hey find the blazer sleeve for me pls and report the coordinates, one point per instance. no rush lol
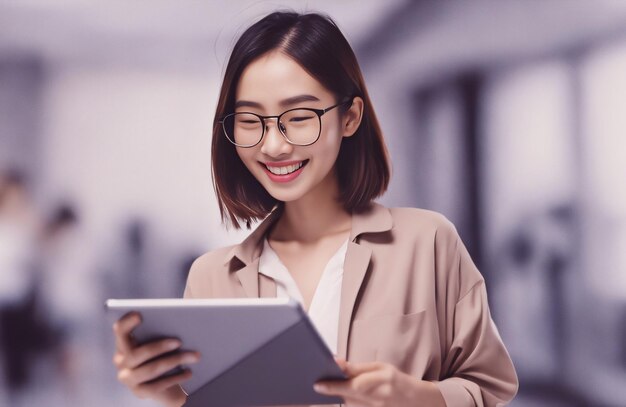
(197, 285)
(188, 293)
(476, 368)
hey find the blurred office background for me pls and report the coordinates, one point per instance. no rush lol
(507, 116)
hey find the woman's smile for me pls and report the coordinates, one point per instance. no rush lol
(284, 171)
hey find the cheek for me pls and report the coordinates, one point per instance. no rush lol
(245, 155)
(329, 143)
(248, 159)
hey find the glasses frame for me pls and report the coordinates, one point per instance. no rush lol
(318, 112)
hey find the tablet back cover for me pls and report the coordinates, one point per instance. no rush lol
(254, 351)
(281, 372)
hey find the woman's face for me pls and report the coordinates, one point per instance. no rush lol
(269, 86)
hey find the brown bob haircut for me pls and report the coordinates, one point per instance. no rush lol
(315, 42)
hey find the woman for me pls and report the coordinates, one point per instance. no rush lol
(393, 292)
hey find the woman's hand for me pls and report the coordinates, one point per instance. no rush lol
(139, 366)
(380, 385)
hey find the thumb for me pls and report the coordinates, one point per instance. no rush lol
(356, 369)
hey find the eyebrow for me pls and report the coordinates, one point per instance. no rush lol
(283, 103)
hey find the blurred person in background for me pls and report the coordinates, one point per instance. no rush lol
(47, 295)
(537, 256)
(20, 322)
(60, 289)
(70, 297)
(312, 173)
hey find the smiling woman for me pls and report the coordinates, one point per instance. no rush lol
(392, 292)
(274, 69)
(295, 157)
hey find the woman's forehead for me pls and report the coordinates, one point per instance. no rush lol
(274, 78)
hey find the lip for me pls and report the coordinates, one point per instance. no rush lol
(286, 177)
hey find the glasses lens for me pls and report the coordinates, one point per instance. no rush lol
(300, 126)
(243, 129)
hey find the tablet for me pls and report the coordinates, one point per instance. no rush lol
(260, 351)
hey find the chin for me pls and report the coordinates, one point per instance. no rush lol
(284, 196)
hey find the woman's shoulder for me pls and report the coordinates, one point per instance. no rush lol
(208, 272)
(436, 236)
(419, 216)
(212, 260)
(422, 222)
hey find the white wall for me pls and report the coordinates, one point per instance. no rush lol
(126, 142)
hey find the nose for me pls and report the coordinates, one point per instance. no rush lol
(274, 144)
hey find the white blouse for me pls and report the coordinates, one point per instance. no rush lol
(324, 308)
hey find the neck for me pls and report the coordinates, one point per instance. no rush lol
(314, 216)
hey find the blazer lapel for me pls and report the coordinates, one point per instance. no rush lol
(244, 260)
(354, 269)
(248, 276)
(255, 284)
(376, 220)
(267, 286)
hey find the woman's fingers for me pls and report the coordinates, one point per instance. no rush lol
(140, 367)
(153, 369)
(122, 329)
(368, 382)
(149, 389)
(141, 354)
(352, 369)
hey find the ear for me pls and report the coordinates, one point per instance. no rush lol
(351, 119)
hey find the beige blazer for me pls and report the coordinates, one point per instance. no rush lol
(411, 296)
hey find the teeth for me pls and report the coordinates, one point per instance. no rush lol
(288, 169)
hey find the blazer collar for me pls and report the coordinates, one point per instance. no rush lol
(250, 249)
(244, 260)
(375, 219)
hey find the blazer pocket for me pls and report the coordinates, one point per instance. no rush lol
(396, 339)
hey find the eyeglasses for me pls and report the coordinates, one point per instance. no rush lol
(300, 126)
